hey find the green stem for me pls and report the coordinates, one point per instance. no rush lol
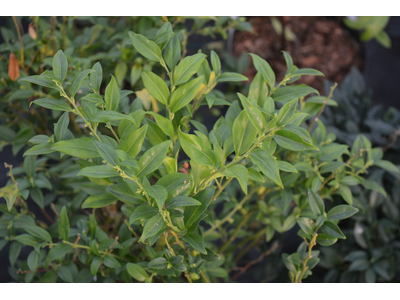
(305, 267)
(229, 216)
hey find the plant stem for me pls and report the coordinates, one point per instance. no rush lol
(322, 108)
(229, 216)
(20, 41)
(310, 246)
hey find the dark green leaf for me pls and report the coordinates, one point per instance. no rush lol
(77, 82)
(184, 94)
(153, 158)
(63, 224)
(97, 201)
(136, 272)
(81, 147)
(60, 65)
(196, 241)
(268, 165)
(148, 49)
(53, 104)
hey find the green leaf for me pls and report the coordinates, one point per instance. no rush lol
(108, 116)
(341, 212)
(254, 114)
(196, 241)
(97, 201)
(63, 224)
(181, 201)
(65, 274)
(53, 104)
(331, 166)
(192, 213)
(80, 147)
(158, 193)
(196, 149)
(158, 263)
(244, 133)
(176, 184)
(94, 266)
(37, 196)
(286, 167)
(152, 227)
(41, 80)
(132, 143)
(143, 211)
(156, 86)
(60, 128)
(96, 77)
(321, 100)
(287, 93)
(316, 203)
(58, 252)
(331, 151)
(373, 185)
(148, 49)
(107, 153)
(30, 166)
(137, 272)
(38, 232)
(15, 250)
(289, 61)
(345, 192)
(265, 69)
(172, 52)
(231, 77)
(268, 165)
(187, 68)
(33, 260)
(102, 171)
(164, 124)
(307, 71)
(60, 65)
(77, 82)
(184, 94)
(240, 173)
(332, 230)
(123, 192)
(290, 140)
(26, 239)
(153, 158)
(215, 62)
(387, 165)
(111, 262)
(307, 225)
(258, 89)
(112, 95)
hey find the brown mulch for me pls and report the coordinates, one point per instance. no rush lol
(321, 43)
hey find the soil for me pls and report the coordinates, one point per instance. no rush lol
(321, 43)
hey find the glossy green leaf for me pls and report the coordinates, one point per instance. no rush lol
(58, 252)
(290, 140)
(184, 94)
(254, 114)
(268, 165)
(192, 213)
(143, 211)
(307, 225)
(107, 153)
(231, 77)
(136, 272)
(316, 203)
(102, 171)
(156, 86)
(215, 62)
(77, 82)
(196, 241)
(196, 149)
(172, 52)
(332, 230)
(53, 104)
(153, 158)
(164, 124)
(97, 201)
(182, 201)
(240, 173)
(187, 68)
(80, 147)
(341, 212)
(244, 133)
(264, 68)
(133, 142)
(96, 77)
(63, 224)
(38, 232)
(112, 95)
(111, 262)
(286, 167)
(158, 193)
(148, 49)
(287, 93)
(158, 263)
(258, 89)
(152, 227)
(60, 65)
(33, 260)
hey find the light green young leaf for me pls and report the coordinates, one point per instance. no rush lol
(265, 69)
(156, 86)
(184, 94)
(112, 95)
(240, 173)
(148, 49)
(187, 68)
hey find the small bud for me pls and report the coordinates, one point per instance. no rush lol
(164, 19)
